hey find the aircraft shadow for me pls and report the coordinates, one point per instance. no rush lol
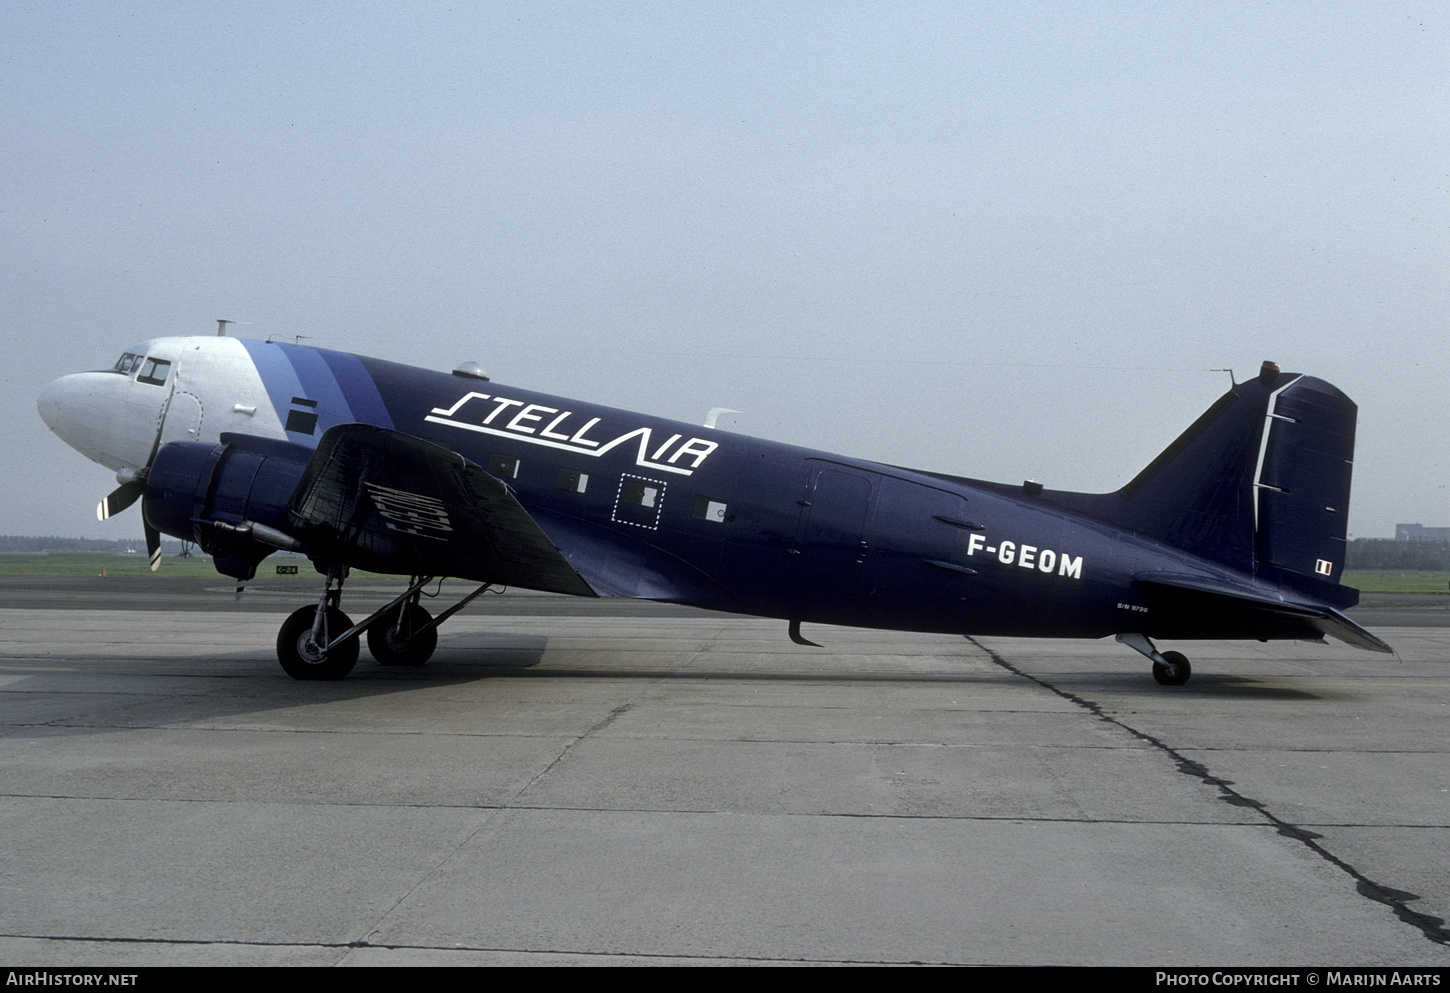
(258, 685)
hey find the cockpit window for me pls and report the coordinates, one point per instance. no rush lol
(154, 371)
(127, 363)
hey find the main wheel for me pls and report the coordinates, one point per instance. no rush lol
(302, 659)
(1176, 672)
(392, 640)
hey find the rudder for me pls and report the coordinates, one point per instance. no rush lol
(1303, 479)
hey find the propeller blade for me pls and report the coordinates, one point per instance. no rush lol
(153, 546)
(120, 498)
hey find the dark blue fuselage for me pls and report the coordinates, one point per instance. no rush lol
(676, 512)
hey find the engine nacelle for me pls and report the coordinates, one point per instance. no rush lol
(230, 498)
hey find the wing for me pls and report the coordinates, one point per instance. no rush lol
(388, 502)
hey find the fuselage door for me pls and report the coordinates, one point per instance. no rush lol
(833, 558)
(181, 411)
(182, 418)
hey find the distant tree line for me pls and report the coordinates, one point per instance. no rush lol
(10, 543)
(1386, 553)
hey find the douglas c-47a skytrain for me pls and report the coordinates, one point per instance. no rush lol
(1236, 531)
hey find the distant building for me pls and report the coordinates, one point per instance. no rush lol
(1418, 532)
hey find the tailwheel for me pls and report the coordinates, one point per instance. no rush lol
(402, 638)
(303, 658)
(1174, 670)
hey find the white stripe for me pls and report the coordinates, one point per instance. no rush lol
(1269, 416)
(531, 440)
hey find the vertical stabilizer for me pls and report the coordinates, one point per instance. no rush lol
(1259, 483)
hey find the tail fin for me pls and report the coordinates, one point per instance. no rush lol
(1259, 483)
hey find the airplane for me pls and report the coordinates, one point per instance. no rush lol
(1236, 531)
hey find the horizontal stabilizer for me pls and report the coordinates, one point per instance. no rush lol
(1336, 624)
(1322, 618)
(1267, 599)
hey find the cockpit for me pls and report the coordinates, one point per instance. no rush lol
(148, 369)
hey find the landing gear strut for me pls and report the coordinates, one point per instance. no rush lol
(322, 642)
(1169, 668)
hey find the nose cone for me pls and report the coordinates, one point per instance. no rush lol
(101, 415)
(66, 405)
(50, 402)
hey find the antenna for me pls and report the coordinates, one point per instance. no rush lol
(221, 326)
(714, 415)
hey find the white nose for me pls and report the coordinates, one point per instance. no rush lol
(51, 403)
(104, 416)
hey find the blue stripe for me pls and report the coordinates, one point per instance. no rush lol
(341, 387)
(362, 393)
(277, 375)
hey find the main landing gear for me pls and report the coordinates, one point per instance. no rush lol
(321, 642)
(1169, 668)
(304, 649)
(403, 636)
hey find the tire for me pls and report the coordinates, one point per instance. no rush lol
(301, 659)
(389, 649)
(1177, 671)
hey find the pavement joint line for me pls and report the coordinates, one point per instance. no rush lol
(494, 808)
(363, 944)
(703, 812)
(121, 940)
(734, 739)
(492, 813)
(1433, 928)
(602, 723)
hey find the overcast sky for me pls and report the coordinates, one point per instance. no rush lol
(1002, 240)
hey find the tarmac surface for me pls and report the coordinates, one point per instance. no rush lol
(618, 782)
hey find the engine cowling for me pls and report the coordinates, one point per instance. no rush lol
(230, 498)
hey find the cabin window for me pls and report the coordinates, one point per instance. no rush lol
(639, 501)
(710, 510)
(503, 466)
(637, 491)
(571, 480)
(154, 371)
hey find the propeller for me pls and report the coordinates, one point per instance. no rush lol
(132, 488)
(153, 544)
